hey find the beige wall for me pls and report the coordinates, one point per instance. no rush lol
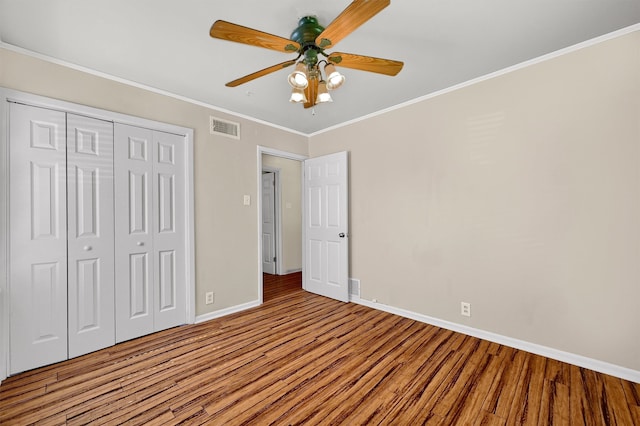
(225, 169)
(520, 195)
(290, 210)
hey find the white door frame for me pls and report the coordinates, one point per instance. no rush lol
(277, 215)
(41, 101)
(276, 153)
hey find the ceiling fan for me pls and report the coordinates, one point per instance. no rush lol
(309, 41)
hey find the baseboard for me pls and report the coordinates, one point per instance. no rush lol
(579, 360)
(226, 311)
(291, 271)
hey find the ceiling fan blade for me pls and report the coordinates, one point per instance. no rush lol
(366, 63)
(356, 14)
(311, 92)
(260, 73)
(227, 31)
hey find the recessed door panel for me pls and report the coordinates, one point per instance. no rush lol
(46, 284)
(166, 203)
(166, 153)
(88, 288)
(37, 238)
(87, 141)
(138, 203)
(44, 134)
(314, 249)
(87, 193)
(167, 279)
(138, 147)
(139, 285)
(315, 208)
(333, 207)
(334, 273)
(46, 211)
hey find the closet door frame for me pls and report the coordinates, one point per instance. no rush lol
(9, 95)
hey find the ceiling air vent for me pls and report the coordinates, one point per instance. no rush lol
(218, 126)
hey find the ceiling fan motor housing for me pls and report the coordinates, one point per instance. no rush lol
(305, 34)
(307, 31)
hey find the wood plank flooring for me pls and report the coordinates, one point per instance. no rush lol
(305, 359)
(274, 286)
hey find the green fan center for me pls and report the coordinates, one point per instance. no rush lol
(307, 32)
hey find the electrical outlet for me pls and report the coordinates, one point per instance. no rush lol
(208, 298)
(465, 309)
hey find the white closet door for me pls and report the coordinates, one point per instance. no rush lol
(134, 241)
(150, 231)
(168, 231)
(38, 234)
(90, 234)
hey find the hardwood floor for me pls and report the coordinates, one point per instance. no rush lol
(305, 359)
(274, 286)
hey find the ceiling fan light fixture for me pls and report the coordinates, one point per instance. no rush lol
(323, 93)
(334, 78)
(298, 96)
(309, 41)
(299, 78)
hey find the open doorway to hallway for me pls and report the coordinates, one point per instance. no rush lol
(281, 226)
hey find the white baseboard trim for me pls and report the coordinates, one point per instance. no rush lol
(291, 271)
(579, 360)
(226, 311)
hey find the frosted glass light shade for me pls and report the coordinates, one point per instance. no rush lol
(334, 78)
(298, 96)
(298, 79)
(323, 93)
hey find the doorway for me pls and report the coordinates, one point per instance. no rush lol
(271, 218)
(287, 169)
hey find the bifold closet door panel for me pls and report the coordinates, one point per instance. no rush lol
(90, 234)
(169, 235)
(38, 237)
(151, 284)
(133, 152)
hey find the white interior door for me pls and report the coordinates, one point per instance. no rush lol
(38, 237)
(134, 240)
(169, 256)
(268, 223)
(151, 280)
(90, 234)
(326, 226)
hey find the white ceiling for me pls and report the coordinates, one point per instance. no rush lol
(165, 44)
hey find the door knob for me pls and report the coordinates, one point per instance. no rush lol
(86, 248)
(140, 243)
(341, 235)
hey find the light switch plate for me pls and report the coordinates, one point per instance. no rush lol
(247, 200)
